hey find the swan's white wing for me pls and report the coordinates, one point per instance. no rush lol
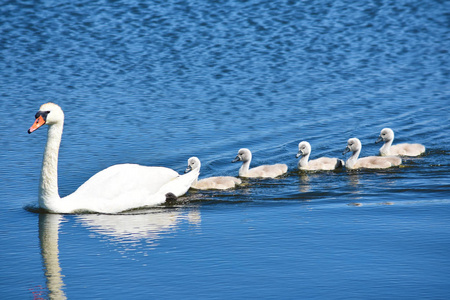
(120, 179)
(118, 188)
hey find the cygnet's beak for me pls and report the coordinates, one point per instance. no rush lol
(379, 139)
(347, 149)
(299, 154)
(188, 169)
(237, 158)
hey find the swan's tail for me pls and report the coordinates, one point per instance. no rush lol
(181, 184)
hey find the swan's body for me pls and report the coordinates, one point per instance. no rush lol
(322, 163)
(115, 189)
(211, 183)
(369, 162)
(264, 171)
(387, 135)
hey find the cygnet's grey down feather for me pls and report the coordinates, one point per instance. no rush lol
(405, 149)
(322, 163)
(369, 162)
(264, 171)
(211, 183)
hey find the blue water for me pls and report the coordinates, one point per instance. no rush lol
(157, 82)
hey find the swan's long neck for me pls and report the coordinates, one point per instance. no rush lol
(303, 162)
(352, 160)
(244, 168)
(386, 148)
(48, 184)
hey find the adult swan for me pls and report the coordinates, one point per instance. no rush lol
(115, 189)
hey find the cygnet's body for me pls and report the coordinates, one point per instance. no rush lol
(211, 183)
(264, 171)
(369, 162)
(322, 163)
(405, 149)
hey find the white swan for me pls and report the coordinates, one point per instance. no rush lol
(211, 183)
(115, 189)
(387, 135)
(264, 171)
(369, 162)
(322, 163)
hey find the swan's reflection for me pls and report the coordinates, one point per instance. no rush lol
(149, 225)
(48, 237)
(143, 228)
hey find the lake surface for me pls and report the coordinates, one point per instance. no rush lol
(156, 82)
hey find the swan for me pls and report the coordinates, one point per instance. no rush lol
(264, 171)
(369, 162)
(387, 135)
(211, 183)
(322, 163)
(115, 189)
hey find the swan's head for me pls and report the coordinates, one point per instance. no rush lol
(193, 163)
(304, 148)
(353, 145)
(386, 135)
(243, 155)
(49, 113)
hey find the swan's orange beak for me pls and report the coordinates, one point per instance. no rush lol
(38, 123)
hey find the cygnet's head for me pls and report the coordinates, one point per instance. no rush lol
(304, 148)
(386, 135)
(49, 113)
(243, 155)
(353, 145)
(193, 163)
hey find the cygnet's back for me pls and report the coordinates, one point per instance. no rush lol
(264, 171)
(405, 149)
(217, 183)
(321, 163)
(211, 183)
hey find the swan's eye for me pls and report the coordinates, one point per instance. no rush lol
(42, 114)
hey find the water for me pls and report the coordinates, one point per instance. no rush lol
(157, 82)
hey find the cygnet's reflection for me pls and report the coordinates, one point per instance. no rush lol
(355, 189)
(143, 228)
(354, 178)
(304, 185)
